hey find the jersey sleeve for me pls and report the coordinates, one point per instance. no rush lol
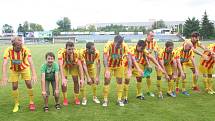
(107, 48)
(56, 67)
(160, 54)
(59, 54)
(81, 55)
(43, 68)
(97, 58)
(27, 52)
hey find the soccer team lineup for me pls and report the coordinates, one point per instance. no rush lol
(120, 62)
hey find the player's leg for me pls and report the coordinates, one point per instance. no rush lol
(106, 89)
(76, 89)
(45, 97)
(119, 91)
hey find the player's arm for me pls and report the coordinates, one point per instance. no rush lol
(134, 62)
(175, 73)
(34, 75)
(98, 70)
(43, 83)
(57, 82)
(4, 72)
(86, 70)
(80, 67)
(161, 63)
(61, 68)
(105, 60)
(149, 56)
(194, 64)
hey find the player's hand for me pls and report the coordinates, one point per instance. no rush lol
(107, 74)
(34, 79)
(57, 92)
(97, 80)
(205, 57)
(129, 73)
(167, 77)
(183, 76)
(43, 93)
(64, 81)
(89, 81)
(4, 81)
(161, 69)
(174, 76)
(81, 83)
(196, 75)
(141, 72)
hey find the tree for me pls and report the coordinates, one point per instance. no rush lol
(26, 26)
(64, 24)
(190, 26)
(20, 28)
(158, 24)
(35, 27)
(7, 28)
(207, 27)
(91, 28)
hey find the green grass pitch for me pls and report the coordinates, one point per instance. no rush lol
(197, 107)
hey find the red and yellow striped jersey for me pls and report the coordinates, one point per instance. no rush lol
(210, 62)
(68, 60)
(167, 57)
(18, 60)
(195, 45)
(88, 58)
(151, 46)
(183, 56)
(140, 57)
(115, 55)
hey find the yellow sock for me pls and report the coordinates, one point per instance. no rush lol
(64, 95)
(94, 89)
(119, 91)
(76, 95)
(149, 84)
(15, 94)
(205, 81)
(210, 84)
(194, 81)
(83, 92)
(177, 82)
(31, 96)
(169, 87)
(183, 85)
(171, 84)
(159, 85)
(139, 89)
(126, 91)
(106, 91)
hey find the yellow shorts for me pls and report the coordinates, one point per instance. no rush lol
(188, 64)
(74, 71)
(134, 71)
(169, 69)
(92, 72)
(14, 75)
(204, 70)
(117, 72)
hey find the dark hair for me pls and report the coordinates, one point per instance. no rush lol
(118, 38)
(150, 32)
(69, 44)
(141, 43)
(195, 34)
(89, 44)
(169, 43)
(51, 54)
